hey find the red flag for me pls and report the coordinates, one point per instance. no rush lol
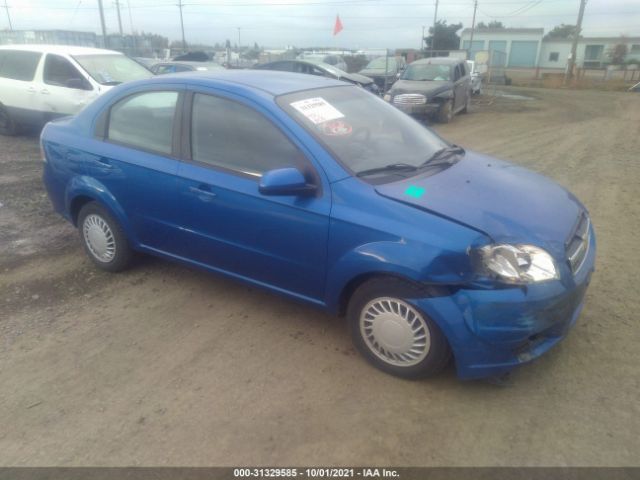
(337, 28)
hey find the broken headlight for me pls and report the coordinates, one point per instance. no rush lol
(516, 263)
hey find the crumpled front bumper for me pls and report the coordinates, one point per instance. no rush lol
(493, 331)
(423, 109)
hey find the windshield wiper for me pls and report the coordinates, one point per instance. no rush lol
(393, 167)
(447, 153)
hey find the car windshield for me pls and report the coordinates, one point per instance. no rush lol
(363, 131)
(112, 69)
(427, 72)
(380, 62)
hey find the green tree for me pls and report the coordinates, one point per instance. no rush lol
(444, 37)
(563, 32)
(618, 52)
(492, 25)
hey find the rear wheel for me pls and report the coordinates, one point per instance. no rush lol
(393, 334)
(7, 125)
(103, 238)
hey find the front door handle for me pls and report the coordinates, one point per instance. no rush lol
(104, 162)
(31, 89)
(44, 91)
(203, 190)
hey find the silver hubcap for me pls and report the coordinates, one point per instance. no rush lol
(395, 331)
(99, 238)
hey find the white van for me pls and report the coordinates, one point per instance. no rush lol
(42, 82)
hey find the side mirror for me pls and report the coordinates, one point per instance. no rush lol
(78, 84)
(285, 181)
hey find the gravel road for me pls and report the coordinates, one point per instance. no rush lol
(165, 365)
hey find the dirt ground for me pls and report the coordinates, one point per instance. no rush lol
(164, 365)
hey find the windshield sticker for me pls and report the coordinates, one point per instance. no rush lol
(337, 128)
(413, 191)
(317, 110)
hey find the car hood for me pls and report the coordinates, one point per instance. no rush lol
(356, 77)
(506, 202)
(427, 88)
(369, 72)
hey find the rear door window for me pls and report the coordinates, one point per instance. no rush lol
(19, 65)
(144, 121)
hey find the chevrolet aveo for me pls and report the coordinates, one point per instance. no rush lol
(318, 190)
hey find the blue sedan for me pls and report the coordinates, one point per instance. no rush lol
(317, 190)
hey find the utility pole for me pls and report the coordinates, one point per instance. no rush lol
(119, 18)
(433, 35)
(6, 7)
(574, 46)
(422, 39)
(184, 42)
(105, 41)
(473, 27)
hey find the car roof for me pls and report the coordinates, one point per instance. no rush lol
(438, 61)
(60, 49)
(269, 81)
(189, 63)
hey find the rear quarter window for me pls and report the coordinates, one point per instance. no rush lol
(19, 65)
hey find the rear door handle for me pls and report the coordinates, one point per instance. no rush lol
(31, 89)
(44, 91)
(202, 190)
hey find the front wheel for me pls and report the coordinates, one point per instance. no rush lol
(393, 334)
(445, 114)
(103, 238)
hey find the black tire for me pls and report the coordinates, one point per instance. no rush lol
(438, 353)
(466, 105)
(445, 113)
(8, 126)
(122, 254)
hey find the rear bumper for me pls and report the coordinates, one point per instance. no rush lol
(491, 332)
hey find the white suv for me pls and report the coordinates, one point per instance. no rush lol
(42, 82)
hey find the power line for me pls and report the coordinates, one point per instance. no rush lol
(6, 7)
(574, 44)
(119, 17)
(184, 42)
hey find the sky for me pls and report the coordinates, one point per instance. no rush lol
(305, 23)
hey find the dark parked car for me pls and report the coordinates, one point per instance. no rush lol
(177, 67)
(434, 87)
(384, 71)
(321, 69)
(284, 181)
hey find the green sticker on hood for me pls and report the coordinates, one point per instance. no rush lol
(415, 192)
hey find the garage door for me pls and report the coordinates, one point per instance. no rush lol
(523, 54)
(498, 49)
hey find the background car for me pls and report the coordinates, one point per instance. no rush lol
(433, 87)
(321, 69)
(476, 78)
(162, 68)
(384, 71)
(42, 82)
(283, 181)
(330, 59)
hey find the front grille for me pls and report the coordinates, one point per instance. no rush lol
(409, 99)
(577, 246)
